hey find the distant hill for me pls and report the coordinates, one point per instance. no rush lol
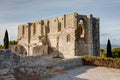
(103, 46)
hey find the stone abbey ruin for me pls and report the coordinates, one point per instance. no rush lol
(50, 46)
(64, 36)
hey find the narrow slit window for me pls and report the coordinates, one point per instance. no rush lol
(48, 27)
(23, 30)
(68, 38)
(34, 29)
(59, 26)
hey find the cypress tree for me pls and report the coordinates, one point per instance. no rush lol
(109, 52)
(6, 40)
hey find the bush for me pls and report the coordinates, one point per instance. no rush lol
(101, 61)
(12, 42)
(1, 47)
(116, 52)
(102, 53)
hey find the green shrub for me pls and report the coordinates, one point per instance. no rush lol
(12, 42)
(102, 53)
(1, 47)
(116, 52)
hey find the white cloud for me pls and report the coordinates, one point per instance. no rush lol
(15, 12)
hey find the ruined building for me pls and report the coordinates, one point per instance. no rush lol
(65, 36)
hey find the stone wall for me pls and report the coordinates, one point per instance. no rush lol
(56, 29)
(69, 35)
(87, 35)
(47, 61)
(15, 67)
(8, 59)
(96, 34)
(18, 49)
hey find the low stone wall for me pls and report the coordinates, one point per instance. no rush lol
(31, 68)
(49, 61)
(8, 59)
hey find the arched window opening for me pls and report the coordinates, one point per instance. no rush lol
(25, 53)
(59, 26)
(68, 38)
(81, 28)
(81, 21)
(16, 49)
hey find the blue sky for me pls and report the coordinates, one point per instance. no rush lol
(15, 12)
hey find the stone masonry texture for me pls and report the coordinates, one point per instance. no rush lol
(65, 36)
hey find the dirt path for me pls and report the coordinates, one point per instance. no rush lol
(89, 73)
